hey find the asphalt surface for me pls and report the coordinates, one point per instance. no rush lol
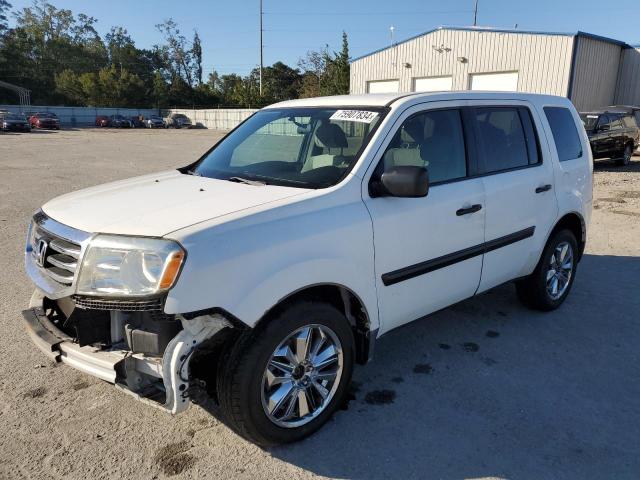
(485, 388)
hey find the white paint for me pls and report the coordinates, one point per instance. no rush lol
(433, 84)
(383, 86)
(496, 82)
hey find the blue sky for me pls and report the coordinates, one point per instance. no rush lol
(229, 29)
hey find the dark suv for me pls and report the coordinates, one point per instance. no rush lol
(612, 134)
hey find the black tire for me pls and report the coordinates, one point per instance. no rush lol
(625, 158)
(244, 362)
(532, 290)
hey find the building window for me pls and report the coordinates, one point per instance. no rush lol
(502, 81)
(383, 86)
(432, 84)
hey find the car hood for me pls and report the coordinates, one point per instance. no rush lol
(157, 204)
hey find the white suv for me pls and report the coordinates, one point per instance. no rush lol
(262, 272)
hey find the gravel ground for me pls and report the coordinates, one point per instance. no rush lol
(482, 389)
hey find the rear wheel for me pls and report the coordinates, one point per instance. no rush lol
(281, 382)
(625, 158)
(550, 283)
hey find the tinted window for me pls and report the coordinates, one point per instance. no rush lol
(565, 134)
(628, 121)
(616, 122)
(432, 139)
(501, 138)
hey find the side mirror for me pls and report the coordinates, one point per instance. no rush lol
(604, 128)
(405, 181)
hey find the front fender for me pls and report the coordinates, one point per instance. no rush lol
(248, 265)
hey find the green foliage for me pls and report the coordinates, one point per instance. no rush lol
(5, 7)
(62, 59)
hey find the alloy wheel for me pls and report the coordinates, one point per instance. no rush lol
(559, 271)
(302, 376)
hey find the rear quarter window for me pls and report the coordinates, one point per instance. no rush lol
(565, 133)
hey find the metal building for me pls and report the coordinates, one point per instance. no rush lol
(590, 70)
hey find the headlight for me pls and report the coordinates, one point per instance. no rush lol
(128, 266)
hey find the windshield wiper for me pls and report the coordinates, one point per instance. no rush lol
(255, 183)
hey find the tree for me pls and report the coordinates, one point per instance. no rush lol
(280, 82)
(160, 91)
(196, 55)
(5, 7)
(177, 53)
(325, 73)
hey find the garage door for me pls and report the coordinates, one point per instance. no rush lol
(504, 82)
(432, 84)
(383, 86)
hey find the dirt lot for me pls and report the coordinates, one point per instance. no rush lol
(482, 389)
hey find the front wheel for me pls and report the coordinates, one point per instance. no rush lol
(625, 159)
(550, 283)
(282, 381)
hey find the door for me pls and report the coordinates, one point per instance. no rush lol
(519, 188)
(428, 251)
(383, 86)
(618, 135)
(504, 81)
(602, 140)
(432, 84)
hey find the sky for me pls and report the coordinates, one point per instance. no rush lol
(230, 29)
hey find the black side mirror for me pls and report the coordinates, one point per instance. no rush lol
(404, 181)
(604, 128)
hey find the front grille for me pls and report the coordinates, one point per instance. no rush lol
(146, 305)
(54, 255)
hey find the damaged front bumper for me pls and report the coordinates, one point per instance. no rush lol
(162, 381)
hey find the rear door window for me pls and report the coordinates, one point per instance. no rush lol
(565, 133)
(502, 139)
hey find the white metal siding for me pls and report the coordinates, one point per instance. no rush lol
(595, 74)
(543, 61)
(628, 89)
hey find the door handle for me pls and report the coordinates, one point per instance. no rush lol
(467, 210)
(544, 188)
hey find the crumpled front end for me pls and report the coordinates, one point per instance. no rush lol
(131, 343)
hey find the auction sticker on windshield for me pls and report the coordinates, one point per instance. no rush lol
(354, 116)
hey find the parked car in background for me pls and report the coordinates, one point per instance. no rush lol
(15, 122)
(612, 134)
(154, 121)
(44, 120)
(633, 110)
(253, 274)
(137, 121)
(120, 121)
(178, 120)
(102, 121)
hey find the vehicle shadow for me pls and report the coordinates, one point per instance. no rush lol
(489, 388)
(608, 165)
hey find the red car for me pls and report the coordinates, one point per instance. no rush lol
(102, 121)
(44, 120)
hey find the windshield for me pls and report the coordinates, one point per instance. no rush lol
(297, 147)
(589, 120)
(15, 116)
